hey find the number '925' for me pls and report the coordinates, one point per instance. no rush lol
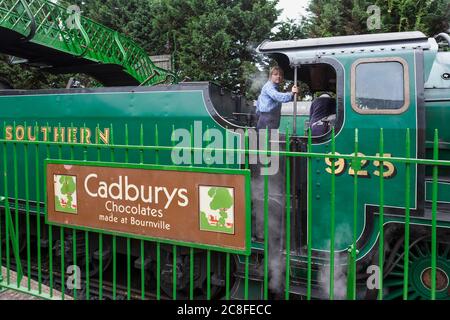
(341, 166)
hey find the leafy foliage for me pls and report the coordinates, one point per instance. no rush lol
(290, 29)
(346, 17)
(212, 40)
(26, 77)
(215, 40)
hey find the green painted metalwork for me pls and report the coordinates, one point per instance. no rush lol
(288, 219)
(228, 257)
(158, 245)
(86, 243)
(16, 194)
(332, 214)
(128, 268)
(11, 234)
(27, 214)
(50, 238)
(310, 222)
(247, 258)
(158, 271)
(419, 263)
(7, 226)
(100, 266)
(434, 217)
(74, 235)
(142, 270)
(2, 199)
(286, 124)
(407, 216)
(266, 219)
(142, 149)
(114, 238)
(356, 166)
(191, 273)
(208, 274)
(62, 270)
(52, 25)
(74, 259)
(351, 273)
(141, 155)
(127, 159)
(381, 221)
(227, 275)
(443, 191)
(174, 272)
(100, 241)
(114, 253)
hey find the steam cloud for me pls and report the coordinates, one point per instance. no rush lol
(276, 212)
(343, 239)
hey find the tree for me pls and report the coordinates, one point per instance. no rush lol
(222, 201)
(290, 29)
(212, 40)
(215, 40)
(26, 77)
(132, 18)
(346, 17)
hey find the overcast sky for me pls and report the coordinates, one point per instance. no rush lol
(292, 9)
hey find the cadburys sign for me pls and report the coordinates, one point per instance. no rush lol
(193, 206)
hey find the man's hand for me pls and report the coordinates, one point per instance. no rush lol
(295, 89)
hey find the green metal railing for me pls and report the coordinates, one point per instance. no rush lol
(53, 25)
(31, 260)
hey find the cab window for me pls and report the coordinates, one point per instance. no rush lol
(379, 86)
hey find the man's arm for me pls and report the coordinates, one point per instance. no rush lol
(279, 96)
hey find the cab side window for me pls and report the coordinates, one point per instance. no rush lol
(380, 86)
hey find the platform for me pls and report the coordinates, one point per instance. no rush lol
(23, 292)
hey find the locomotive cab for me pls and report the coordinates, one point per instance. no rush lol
(383, 107)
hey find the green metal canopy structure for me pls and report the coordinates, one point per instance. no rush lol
(59, 39)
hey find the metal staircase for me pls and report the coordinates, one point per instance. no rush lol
(52, 36)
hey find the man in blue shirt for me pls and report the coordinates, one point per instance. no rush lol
(270, 100)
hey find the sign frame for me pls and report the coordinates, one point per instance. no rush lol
(247, 199)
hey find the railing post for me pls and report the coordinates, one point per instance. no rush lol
(351, 273)
(2, 199)
(12, 236)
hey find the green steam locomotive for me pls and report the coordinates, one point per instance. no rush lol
(399, 82)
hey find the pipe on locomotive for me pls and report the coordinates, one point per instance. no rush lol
(444, 36)
(294, 125)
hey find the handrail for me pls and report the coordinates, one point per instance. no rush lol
(93, 41)
(32, 23)
(155, 73)
(119, 44)
(83, 33)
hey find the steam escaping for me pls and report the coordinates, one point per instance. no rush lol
(256, 81)
(343, 238)
(340, 280)
(255, 75)
(276, 213)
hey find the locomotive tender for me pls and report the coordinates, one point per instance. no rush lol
(394, 81)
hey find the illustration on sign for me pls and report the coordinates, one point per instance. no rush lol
(216, 209)
(65, 193)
